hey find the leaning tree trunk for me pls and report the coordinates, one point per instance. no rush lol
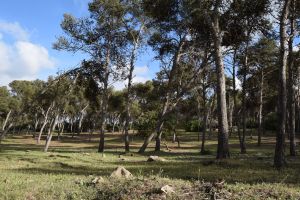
(279, 157)
(6, 120)
(158, 129)
(50, 133)
(162, 115)
(82, 113)
(291, 91)
(260, 105)
(223, 148)
(45, 122)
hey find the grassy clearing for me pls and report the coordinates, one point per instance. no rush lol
(67, 170)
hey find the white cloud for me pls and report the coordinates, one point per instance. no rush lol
(20, 59)
(15, 30)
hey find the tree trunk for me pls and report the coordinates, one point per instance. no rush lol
(163, 113)
(244, 110)
(82, 113)
(50, 133)
(44, 123)
(223, 148)
(205, 119)
(260, 128)
(4, 132)
(291, 91)
(234, 86)
(6, 120)
(279, 157)
(230, 116)
(104, 103)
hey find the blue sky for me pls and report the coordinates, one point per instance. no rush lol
(27, 31)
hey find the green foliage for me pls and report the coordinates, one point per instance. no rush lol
(271, 121)
(193, 126)
(145, 124)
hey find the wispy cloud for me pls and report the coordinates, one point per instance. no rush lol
(14, 29)
(20, 58)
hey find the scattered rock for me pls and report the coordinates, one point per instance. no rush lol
(121, 172)
(97, 180)
(123, 159)
(155, 159)
(167, 189)
(86, 154)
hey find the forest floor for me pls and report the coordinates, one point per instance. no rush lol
(72, 169)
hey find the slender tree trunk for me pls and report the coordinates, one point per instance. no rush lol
(35, 127)
(128, 97)
(223, 148)
(50, 133)
(279, 158)
(45, 122)
(6, 120)
(82, 113)
(159, 134)
(4, 129)
(161, 118)
(260, 117)
(104, 104)
(211, 110)
(230, 116)
(244, 110)
(205, 119)
(291, 91)
(3, 133)
(234, 86)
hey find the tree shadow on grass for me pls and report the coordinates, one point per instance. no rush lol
(231, 172)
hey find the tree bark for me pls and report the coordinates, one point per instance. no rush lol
(50, 133)
(291, 91)
(6, 120)
(82, 113)
(223, 148)
(104, 103)
(260, 106)
(234, 85)
(205, 119)
(279, 157)
(45, 122)
(244, 111)
(164, 111)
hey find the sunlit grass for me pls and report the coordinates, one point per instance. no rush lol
(26, 172)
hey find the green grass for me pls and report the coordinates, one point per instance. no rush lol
(67, 170)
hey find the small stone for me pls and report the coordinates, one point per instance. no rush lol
(97, 180)
(155, 159)
(167, 189)
(121, 172)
